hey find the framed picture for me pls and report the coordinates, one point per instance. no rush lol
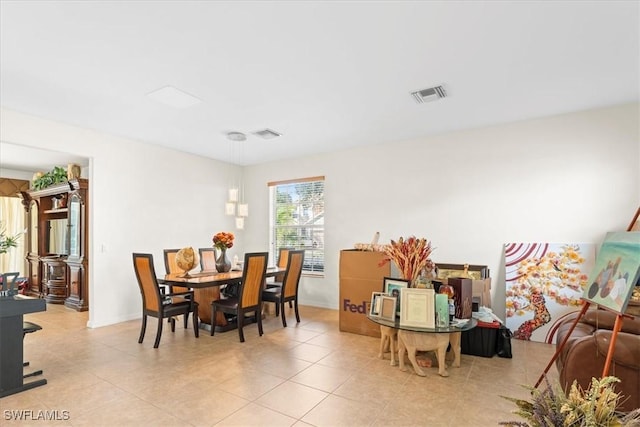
(392, 288)
(418, 308)
(475, 272)
(383, 306)
(376, 304)
(616, 271)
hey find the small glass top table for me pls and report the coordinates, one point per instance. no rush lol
(413, 339)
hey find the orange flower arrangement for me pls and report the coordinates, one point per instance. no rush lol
(223, 240)
(410, 255)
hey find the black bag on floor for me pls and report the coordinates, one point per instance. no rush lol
(503, 342)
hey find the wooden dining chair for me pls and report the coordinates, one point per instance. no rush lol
(206, 295)
(249, 297)
(289, 290)
(159, 304)
(207, 259)
(171, 267)
(283, 258)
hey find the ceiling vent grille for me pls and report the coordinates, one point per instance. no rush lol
(429, 94)
(267, 134)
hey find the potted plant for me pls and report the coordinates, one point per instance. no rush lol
(596, 407)
(57, 175)
(7, 242)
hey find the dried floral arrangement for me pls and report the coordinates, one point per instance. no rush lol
(595, 407)
(410, 255)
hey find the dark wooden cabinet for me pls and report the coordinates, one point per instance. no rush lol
(58, 238)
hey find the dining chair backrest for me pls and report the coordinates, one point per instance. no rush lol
(253, 275)
(9, 281)
(283, 258)
(170, 263)
(207, 258)
(146, 275)
(294, 271)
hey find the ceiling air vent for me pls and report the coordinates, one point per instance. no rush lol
(429, 94)
(267, 134)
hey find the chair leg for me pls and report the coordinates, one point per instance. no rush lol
(159, 333)
(186, 320)
(277, 304)
(295, 304)
(173, 324)
(283, 315)
(213, 319)
(240, 324)
(33, 374)
(290, 305)
(143, 328)
(259, 317)
(196, 326)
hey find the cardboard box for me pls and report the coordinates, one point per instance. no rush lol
(463, 293)
(360, 275)
(482, 290)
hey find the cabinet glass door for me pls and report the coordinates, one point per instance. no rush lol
(33, 227)
(74, 225)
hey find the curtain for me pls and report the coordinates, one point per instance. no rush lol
(12, 221)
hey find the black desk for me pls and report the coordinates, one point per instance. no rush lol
(12, 310)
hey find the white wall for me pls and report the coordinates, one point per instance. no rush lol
(568, 178)
(143, 198)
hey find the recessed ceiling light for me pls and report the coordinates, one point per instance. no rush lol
(173, 97)
(267, 133)
(236, 136)
(429, 94)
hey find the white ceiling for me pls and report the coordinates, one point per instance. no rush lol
(327, 75)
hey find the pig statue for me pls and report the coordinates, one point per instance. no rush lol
(411, 342)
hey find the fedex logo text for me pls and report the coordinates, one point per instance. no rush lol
(355, 308)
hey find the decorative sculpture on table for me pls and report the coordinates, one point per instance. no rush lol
(186, 260)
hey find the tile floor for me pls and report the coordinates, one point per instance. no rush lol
(309, 374)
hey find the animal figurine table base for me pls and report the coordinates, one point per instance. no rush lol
(412, 342)
(388, 340)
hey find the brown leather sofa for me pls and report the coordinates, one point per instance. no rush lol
(584, 354)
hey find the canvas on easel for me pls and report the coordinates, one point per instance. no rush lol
(616, 271)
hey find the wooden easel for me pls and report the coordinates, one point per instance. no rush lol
(617, 326)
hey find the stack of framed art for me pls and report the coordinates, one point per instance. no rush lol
(414, 307)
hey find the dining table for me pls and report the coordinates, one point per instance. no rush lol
(206, 286)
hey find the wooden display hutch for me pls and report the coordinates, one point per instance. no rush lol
(57, 236)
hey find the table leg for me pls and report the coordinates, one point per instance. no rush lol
(454, 340)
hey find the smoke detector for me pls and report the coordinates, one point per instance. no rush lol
(267, 134)
(236, 136)
(429, 94)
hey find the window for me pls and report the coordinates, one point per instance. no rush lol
(297, 219)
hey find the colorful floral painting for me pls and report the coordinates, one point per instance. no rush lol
(544, 283)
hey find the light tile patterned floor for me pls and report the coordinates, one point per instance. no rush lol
(309, 374)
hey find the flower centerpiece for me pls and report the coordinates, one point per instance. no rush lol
(410, 255)
(223, 241)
